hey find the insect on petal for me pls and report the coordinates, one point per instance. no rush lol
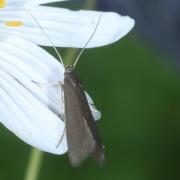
(33, 111)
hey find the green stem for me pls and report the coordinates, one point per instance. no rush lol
(90, 4)
(34, 164)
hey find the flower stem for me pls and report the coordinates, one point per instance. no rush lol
(33, 167)
(90, 4)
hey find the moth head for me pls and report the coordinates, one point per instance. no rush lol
(69, 69)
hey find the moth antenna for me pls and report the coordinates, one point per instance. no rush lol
(95, 29)
(46, 36)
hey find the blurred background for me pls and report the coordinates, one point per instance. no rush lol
(136, 85)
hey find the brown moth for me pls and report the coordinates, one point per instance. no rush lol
(81, 132)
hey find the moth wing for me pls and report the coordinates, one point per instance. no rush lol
(81, 130)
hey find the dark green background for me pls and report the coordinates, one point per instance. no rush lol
(138, 94)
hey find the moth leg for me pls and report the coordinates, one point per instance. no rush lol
(61, 95)
(64, 131)
(47, 84)
(62, 101)
(52, 84)
(62, 114)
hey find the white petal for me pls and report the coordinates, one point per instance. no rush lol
(38, 2)
(28, 118)
(67, 28)
(18, 3)
(26, 62)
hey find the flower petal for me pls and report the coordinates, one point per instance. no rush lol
(66, 28)
(38, 2)
(28, 118)
(18, 3)
(26, 62)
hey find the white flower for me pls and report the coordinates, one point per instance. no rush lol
(31, 112)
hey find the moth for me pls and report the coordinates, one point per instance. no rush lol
(81, 132)
(80, 127)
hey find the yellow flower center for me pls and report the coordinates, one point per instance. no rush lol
(2, 3)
